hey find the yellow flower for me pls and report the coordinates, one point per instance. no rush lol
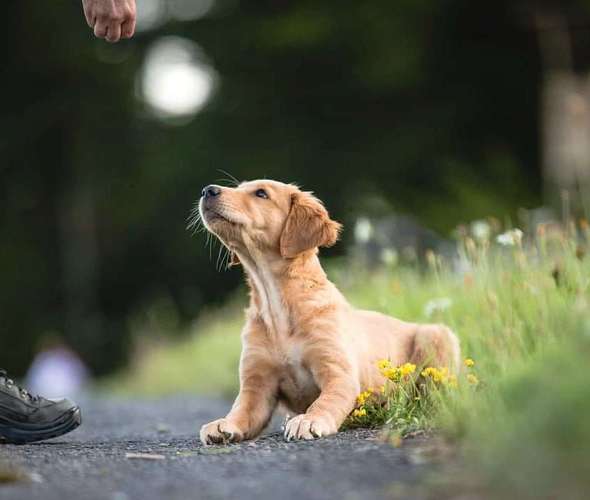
(359, 413)
(390, 373)
(362, 398)
(472, 379)
(469, 362)
(383, 364)
(407, 369)
(436, 374)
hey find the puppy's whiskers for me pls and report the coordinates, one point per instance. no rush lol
(230, 178)
(194, 220)
(224, 259)
(210, 243)
(219, 260)
(226, 182)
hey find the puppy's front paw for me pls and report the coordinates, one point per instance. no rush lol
(309, 427)
(220, 431)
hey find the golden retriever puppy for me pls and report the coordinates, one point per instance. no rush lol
(303, 346)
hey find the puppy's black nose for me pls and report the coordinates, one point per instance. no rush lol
(210, 191)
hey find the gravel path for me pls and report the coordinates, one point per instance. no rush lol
(104, 459)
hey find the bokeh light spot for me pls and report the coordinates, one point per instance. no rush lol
(189, 10)
(176, 81)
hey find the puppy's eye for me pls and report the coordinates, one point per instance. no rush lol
(261, 193)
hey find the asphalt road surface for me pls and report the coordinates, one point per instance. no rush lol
(128, 450)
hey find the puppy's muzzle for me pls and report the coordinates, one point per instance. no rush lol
(210, 197)
(212, 204)
(210, 191)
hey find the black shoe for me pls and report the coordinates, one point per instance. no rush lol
(25, 418)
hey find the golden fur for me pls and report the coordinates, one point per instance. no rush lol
(303, 346)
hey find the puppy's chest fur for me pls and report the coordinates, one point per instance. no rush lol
(297, 386)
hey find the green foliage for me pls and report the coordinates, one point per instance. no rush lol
(522, 313)
(403, 406)
(206, 361)
(542, 437)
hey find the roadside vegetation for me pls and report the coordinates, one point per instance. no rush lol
(518, 410)
(204, 362)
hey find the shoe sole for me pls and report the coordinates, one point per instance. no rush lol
(18, 433)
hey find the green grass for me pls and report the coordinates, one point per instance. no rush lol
(206, 362)
(522, 313)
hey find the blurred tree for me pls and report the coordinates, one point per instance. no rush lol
(430, 106)
(565, 101)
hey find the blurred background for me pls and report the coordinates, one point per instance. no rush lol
(407, 118)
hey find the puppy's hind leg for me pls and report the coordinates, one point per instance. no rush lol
(438, 346)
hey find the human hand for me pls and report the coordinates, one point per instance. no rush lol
(110, 19)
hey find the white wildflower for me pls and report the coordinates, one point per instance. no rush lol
(389, 257)
(481, 230)
(363, 230)
(510, 238)
(437, 305)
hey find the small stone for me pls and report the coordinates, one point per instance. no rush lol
(144, 456)
(162, 429)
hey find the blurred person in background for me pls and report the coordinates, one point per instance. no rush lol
(24, 417)
(56, 370)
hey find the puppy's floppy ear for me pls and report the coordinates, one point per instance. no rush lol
(308, 226)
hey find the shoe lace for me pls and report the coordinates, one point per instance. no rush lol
(24, 394)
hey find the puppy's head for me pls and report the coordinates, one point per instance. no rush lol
(264, 216)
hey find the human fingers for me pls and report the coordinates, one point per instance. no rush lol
(114, 32)
(100, 28)
(128, 28)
